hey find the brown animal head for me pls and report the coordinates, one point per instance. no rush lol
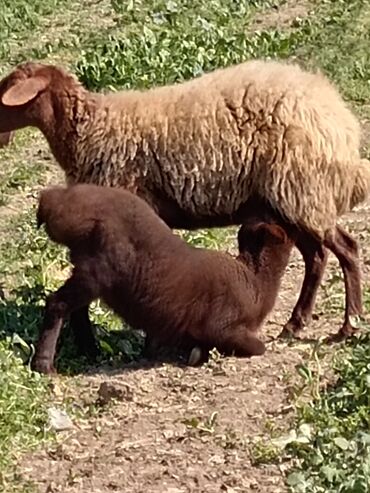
(28, 96)
(65, 223)
(253, 237)
(263, 243)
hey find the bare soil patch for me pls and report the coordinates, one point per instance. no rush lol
(282, 16)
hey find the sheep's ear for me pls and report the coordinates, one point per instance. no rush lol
(24, 91)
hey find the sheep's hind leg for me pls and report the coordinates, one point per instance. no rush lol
(345, 248)
(83, 333)
(315, 257)
(74, 294)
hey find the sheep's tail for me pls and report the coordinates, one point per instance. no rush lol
(361, 186)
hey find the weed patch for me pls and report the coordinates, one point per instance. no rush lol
(23, 396)
(335, 457)
(167, 42)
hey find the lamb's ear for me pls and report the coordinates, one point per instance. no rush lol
(23, 91)
(274, 233)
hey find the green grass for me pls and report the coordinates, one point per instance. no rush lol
(143, 43)
(336, 456)
(19, 18)
(341, 48)
(329, 445)
(167, 42)
(23, 397)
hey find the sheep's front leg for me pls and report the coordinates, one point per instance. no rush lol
(315, 257)
(345, 248)
(74, 294)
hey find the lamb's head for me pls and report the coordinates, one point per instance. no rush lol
(30, 95)
(68, 220)
(264, 242)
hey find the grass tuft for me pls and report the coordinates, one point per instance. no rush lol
(23, 395)
(336, 457)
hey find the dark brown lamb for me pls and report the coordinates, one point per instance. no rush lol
(124, 254)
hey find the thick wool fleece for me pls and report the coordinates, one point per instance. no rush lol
(210, 143)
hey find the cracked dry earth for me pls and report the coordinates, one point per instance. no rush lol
(143, 441)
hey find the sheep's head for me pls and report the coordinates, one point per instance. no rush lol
(27, 96)
(68, 221)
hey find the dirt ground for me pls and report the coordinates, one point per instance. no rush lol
(282, 15)
(174, 429)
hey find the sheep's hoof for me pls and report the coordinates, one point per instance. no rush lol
(291, 330)
(340, 336)
(287, 334)
(195, 356)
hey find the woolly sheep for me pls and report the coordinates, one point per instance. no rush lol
(199, 150)
(123, 253)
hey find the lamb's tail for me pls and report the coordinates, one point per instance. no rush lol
(361, 187)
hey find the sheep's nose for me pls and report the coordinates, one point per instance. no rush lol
(5, 138)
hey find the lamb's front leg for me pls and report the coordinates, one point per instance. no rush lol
(74, 294)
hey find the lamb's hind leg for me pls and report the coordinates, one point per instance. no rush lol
(74, 294)
(345, 248)
(83, 333)
(241, 343)
(315, 257)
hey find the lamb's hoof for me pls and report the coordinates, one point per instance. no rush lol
(43, 366)
(195, 357)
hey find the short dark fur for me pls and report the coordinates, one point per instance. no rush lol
(126, 255)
